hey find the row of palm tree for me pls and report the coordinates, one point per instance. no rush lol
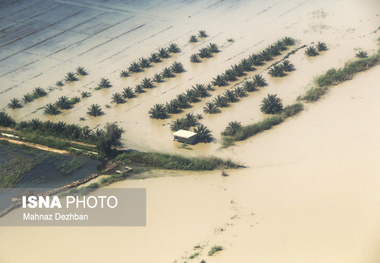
(72, 76)
(63, 103)
(312, 51)
(142, 63)
(60, 129)
(279, 69)
(233, 95)
(29, 97)
(201, 34)
(182, 101)
(205, 52)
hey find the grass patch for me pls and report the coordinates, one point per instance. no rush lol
(176, 162)
(68, 167)
(313, 94)
(194, 255)
(228, 141)
(292, 110)
(115, 178)
(215, 249)
(247, 131)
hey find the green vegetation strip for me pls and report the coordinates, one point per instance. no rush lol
(177, 162)
(235, 132)
(335, 76)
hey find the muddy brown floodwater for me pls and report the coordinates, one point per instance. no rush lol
(310, 192)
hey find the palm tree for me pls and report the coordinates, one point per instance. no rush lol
(220, 101)
(81, 71)
(246, 65)
(287, 66)
(128, 93)
(59, 83)
(259, 81)
(15, 104)
(27, 98)
(219, 81)
(240, 92)
(163, 53)
(117, 98)
(104, 83)
(167, 73)
(201, 90)
(210, 108)
(85, 94)
(63, 103)
(157, 78)
(147, 83)
(177, 67)
(35, 124)
(265, 55)
(194, 58)
(6, 120)
(173, 48)
(255, 60)
(238, 70)
(276, 71)
(210, 87)
(202, 33)
(321, 46)
(158, 111)
(51, 109)
(193, 39)
(204, 53)
(177, 125)
(124, 73)
(249, 86)
(288, 41)
(154, 58)
(271, 104)
(361, 54)
(183, 101)
(134, 67)
(204, 134)
(232, 128)
(70, 76)
(280, 45)
(139, 89)
(172, 107)
(230, 96)
(311, 51)
(144, 63)
(192, 96)
(190, 119)
(230, 75)
(213, 48)
(273, 50)
(38, 92)
(95, 110)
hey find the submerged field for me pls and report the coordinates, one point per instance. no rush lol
(310, 191)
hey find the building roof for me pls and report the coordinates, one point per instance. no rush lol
(184, 134)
